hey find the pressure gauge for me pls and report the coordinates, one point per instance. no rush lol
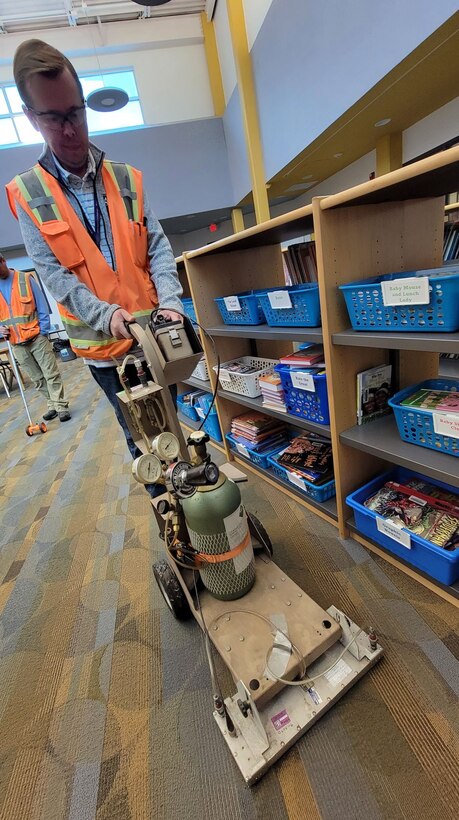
(147, 469)
(166, 446)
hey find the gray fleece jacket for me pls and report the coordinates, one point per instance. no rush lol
(65, 286)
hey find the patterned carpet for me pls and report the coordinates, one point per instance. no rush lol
(105, 701)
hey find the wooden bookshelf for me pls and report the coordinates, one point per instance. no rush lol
(394, 222)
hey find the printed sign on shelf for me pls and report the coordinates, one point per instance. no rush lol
(232, 303)
(295, 479)
(392, 531)
(414, 290)
(279, 299)
(303, 381)
(446, 424)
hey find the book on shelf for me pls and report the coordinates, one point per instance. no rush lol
(310, 456)
(312, 355)
(301, 264)
(272, 393)
(446, 401)
(374, 389)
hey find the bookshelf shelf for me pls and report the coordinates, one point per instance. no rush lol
(294, 334)
(198, 383)
(394, 222)
(433, 342)
(380, 438)
(256, 404)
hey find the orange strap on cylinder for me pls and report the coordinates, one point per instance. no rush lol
(225, 556)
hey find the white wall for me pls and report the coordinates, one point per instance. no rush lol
(255, 12)
(439, 127)
(167, 55)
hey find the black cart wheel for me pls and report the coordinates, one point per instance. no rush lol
(258, 531)
(171, 590)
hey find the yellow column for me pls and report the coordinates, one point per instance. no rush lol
(237, 218)
(213, 65)
(389, 153)
(246, 86)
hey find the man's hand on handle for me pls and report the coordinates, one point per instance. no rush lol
(4, 331)
(118, 323)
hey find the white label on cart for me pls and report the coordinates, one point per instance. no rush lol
(237, 532)
(338, 673)
(392, 531)
(243, 450)
(295, 479)
(303, 381)
(446, 424)
(411, 291)
(232, 303)
(314, 695)
(279, 299)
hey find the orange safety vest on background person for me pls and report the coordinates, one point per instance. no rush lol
(130, 286)
(22, 319)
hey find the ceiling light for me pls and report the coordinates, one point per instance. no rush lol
(107, 99)
(338, 155)
(385, 121)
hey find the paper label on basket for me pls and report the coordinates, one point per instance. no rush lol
(392, 531)
(279, 299)
(243, 450)
(295, 479)
(445, 424)
(411, 291)
(232, 303)
(303, 381)
(200, 412)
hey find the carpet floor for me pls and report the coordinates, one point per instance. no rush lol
(105, 699)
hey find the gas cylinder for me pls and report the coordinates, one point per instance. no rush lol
(217, 524)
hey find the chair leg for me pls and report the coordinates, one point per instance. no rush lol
(5, 385)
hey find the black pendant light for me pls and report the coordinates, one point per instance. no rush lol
(151, 2)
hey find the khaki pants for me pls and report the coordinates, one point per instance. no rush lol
(39, 362)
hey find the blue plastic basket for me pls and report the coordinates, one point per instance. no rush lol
(322, 493)
(305, 404)
(305, 309)
(188, 309)
(261, 459)
(250, 312)
(364, 302)
(434, 561)
(187, 410)
(416, 425)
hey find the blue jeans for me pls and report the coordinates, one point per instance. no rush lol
(108, 380)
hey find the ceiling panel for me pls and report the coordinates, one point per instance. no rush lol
(30, 15)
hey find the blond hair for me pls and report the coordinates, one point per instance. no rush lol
(37, 57)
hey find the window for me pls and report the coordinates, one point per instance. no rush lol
(15, 128)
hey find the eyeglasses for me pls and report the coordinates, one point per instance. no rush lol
(56, 121)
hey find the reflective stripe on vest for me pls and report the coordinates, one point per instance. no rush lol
(121, 174)
(39, 198)
(83, 336)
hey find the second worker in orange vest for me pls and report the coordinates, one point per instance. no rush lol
(87, 225)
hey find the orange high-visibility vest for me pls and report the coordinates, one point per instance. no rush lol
(22, 319)
(130, 285)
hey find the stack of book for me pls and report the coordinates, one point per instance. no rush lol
(308, 356)
(300, 264)
(272, 392)
(309, 456)
(442, 401)
(258, 432)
